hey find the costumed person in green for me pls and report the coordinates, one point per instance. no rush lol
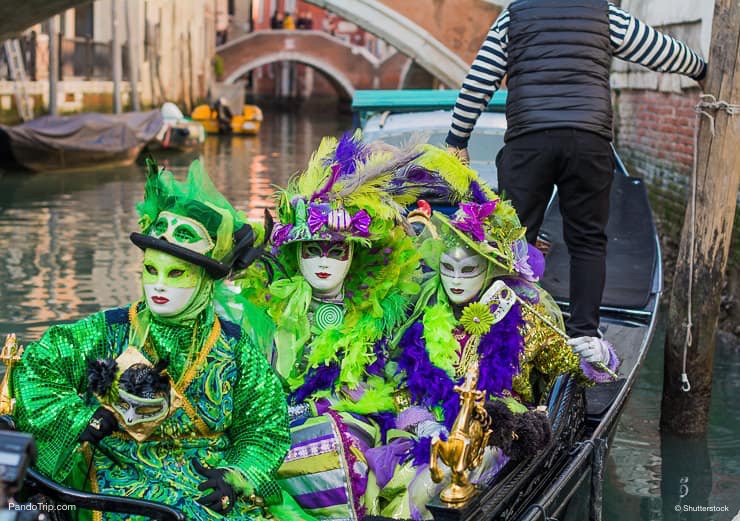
(481, 305)
(352, 276)
(162, 399)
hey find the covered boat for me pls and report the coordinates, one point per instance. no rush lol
(80, 141)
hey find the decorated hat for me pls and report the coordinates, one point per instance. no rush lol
(191, 220)
(350, 191)
(484, 222)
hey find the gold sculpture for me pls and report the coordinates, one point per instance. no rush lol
(9, 355)
(463, 449)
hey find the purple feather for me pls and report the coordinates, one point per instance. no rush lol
(349, 151)
(499, 352)
(318, 378)
(378, 366)
(477, 194)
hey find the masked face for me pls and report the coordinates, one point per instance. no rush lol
(135, 409)
(169, 282)
(324, 265)
(463, 274)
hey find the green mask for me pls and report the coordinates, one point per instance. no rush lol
(173, 287)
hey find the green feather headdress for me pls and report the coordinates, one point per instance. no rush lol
(193, 221)
(350, 191)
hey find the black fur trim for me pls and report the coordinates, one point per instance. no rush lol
(519, 435)
(101, 374)
(533, 434)
(145, 381)
(502, 423)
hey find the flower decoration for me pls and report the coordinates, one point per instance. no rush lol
(472, 218)
(477, 318)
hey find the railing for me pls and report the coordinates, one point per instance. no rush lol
(79, 57)
(87, 59)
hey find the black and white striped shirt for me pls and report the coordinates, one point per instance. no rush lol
(631, 40)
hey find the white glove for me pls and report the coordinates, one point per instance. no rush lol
(460, 153)
(592, 349)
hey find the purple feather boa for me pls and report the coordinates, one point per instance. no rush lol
(318, 378)
(499, 352)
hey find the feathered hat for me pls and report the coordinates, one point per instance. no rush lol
(194, 222)
(351, 191)
(483, 221)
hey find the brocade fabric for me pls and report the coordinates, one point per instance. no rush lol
(234, 413)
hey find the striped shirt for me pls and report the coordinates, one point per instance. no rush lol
(631, 40)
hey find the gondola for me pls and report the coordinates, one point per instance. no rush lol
(564, 480)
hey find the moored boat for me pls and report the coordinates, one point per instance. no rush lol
(178, 132)
(219, 119)
(89, 140)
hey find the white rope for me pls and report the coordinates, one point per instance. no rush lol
(706, 102)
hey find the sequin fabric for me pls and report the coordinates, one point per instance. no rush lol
(234, 414)
(546, 355)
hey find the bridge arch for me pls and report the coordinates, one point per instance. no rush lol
(335, 75)
(346, 66)
(403, 34)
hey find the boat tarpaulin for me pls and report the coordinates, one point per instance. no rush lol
(79, 141)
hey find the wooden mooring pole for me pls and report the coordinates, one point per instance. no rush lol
(695, 295)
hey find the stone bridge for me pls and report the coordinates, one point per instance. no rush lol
(347, 67)
(440, 36)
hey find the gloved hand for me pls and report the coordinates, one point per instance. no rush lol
(460, 153)
(223, 497)
(102, 424)
(592, 349)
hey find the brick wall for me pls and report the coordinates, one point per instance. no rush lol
(654, 134)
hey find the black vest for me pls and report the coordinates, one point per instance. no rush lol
(558, 66)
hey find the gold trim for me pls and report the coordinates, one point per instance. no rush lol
(189, 374)
(92, 477)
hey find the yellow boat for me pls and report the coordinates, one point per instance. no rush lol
(246, 123)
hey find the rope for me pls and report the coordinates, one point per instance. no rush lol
(706, 102)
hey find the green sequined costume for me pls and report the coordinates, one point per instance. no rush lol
(228, 376)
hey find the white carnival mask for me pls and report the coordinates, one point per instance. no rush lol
(169, 282)
(136, 409)
(324, 265)
(463, 273)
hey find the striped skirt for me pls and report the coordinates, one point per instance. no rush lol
(325, 470)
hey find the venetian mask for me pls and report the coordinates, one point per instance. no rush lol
(169, 282)
(463, 273)
(136, 409)
(324, 265)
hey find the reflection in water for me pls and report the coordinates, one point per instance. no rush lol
(65, 237)
(658, 477)
(65, 247)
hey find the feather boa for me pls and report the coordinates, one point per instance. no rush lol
(379, 291)
(430, 385)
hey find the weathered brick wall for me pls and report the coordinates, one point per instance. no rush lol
(654, 134)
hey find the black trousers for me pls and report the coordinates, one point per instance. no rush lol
(581, 165)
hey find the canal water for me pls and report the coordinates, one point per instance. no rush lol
(65, 253)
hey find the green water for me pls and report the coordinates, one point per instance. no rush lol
(65, 253)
